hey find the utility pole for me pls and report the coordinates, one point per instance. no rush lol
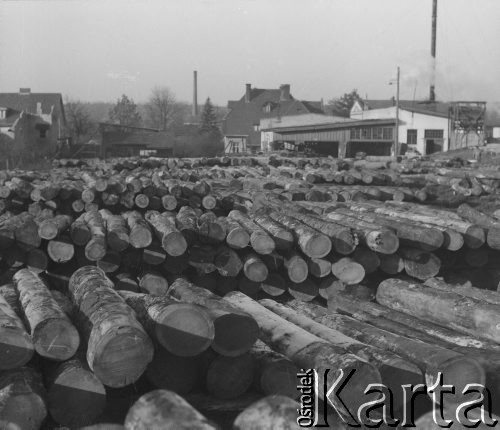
(396, 137)
(432, 93)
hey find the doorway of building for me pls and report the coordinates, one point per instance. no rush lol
(433, 141)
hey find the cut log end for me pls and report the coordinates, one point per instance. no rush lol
(384, 242)
(56, 339)
(115, 368)
(174, 243)
(234, 334)
(185, 330)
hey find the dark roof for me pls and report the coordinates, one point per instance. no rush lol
(435, 108)
(11, 117)
(28, 102)
(116, 134)
(242, 117)
(347, 123)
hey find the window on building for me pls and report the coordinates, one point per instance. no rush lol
(366, 133)
(355, 133)
(3, 113)
(434, 134)
(377, 133)
(43, 133)
(387, 133)
(411, 137)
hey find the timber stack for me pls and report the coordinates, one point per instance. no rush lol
(189, 293)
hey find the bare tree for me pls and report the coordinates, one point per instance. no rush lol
(80, 124)
(161, 107)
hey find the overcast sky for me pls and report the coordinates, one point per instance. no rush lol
(98, 49)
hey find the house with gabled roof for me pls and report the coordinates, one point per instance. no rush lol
(240, 126)
(32, 125)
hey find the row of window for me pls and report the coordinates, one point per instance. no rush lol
(372, 133)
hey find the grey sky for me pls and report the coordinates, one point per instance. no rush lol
(97, 50)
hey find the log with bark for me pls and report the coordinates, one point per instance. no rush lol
(163, 409)
(309, 351)
(118, 348)
(235, 330)
(183, 329)
(52, 332)
(260, 240)
(172, 240)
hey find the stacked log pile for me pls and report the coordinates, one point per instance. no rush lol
(129, 284)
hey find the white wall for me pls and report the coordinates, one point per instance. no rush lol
(409, 120)
(496, 132)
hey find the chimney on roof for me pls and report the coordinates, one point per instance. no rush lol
(284, 92)
(248, 90)
(25, 91)
(195, 93)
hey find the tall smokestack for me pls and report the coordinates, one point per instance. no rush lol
(432, 94)
(195, 93)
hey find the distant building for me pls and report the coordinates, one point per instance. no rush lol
(126, 141)
(426, 126)
(337, 137)
(33, 125)
(240, 126)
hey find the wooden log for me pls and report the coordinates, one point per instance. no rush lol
(37, 260)
(434, 305)
(79, 231)
(474, 235)
(490, 224)
(172, 372)
(95, 249)
(393, 369)
(22, 399)
(235, 331)
(153, 283)
(116, 231)
(176, 265)
(61, 249)
(227, 261)
(211, 231)
(420, 264)
(261, 242)
(319, 267)
(229, 377)
(404, 324)
(118, 348)
(282, 237)
(52, 333)
(309, 351)
(348, 271)
(407, 232)
(162, 409)
(492, 297)
(75, 396)
(172, 240)
(183, 329)
(187, 223)
(16, 347)
(274, 285)
(169, 202)
(275, 374)
(110, 263)
(254, 268)
(154, 254)
(343, 240)
(312, 243)
(50, 228)
(236, 236)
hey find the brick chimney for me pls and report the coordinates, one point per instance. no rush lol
(284, 92)
(248, 90)
(25, 91)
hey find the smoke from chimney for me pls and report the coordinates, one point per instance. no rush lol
(195, 93)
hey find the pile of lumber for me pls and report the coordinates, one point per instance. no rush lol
(136, 287)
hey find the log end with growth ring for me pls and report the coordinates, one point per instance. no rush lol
(174, 243)
(56, 338)
(122, 356)
(318, 246)
(184, 329)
